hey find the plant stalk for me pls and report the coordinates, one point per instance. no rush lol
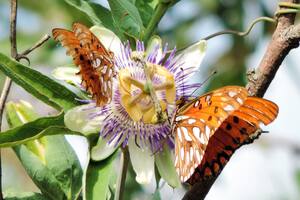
(159, 13)
(7, 84)
(124, 161)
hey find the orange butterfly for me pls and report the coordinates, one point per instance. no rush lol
(96, 63)
(211, 127)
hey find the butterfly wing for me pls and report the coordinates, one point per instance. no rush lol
(196, 122)
(207, 137)
(94, 61)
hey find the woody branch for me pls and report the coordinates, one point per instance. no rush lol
(285, 38)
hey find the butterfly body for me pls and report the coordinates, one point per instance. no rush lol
(96, 63)
(210, 128)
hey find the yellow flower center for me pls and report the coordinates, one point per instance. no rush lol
(136, 94)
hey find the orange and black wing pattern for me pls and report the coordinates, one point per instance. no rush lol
(210, 128)
(95, 62)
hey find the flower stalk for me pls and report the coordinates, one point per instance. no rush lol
(161, 9)
(124, 161)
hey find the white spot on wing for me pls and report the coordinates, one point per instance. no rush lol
(103, 71)
(196, 104)
(196, 132)
(239, 100)
(179, 134)
(186, 134)
(207, 98)
(192, 153)
(198, 156)
(110, 72)
(202, 140)
(182, 153)
(181, 117)
(232, 93)
(191, 121)
(97, 63)
(187, 157)
(192, 169)
(207, 131)
(229, 108)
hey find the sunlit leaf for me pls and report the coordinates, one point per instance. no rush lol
(39, 85)
(146, 9)
(24, 196)
(98, 178)
(126, 17)
(50, 161)
(166, 168)
(43, 126)
(97, 13)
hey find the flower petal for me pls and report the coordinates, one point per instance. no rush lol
(133, 110)
(142, 161)
(166, 168)
(190, 59)
(81, 147)
(80, 119)
(67, 74)
(103, 149)
(108, 38)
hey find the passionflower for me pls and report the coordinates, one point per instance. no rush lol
(148, 83)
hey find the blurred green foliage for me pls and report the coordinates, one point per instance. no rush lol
(36, 19)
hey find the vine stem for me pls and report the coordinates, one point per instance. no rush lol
(17, 57)
(239, 33)
(234, 32)
(124, 161)
(7, 84)
(161, 9)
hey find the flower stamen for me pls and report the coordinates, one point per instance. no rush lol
(164, 86)
(149, 75)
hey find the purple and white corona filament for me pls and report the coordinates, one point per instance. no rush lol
(132, 110)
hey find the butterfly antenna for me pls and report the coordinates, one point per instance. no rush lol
(182, 81)
(203, 82)
(264, 131)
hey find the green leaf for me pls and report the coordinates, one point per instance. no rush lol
(24, 196)
(39, 85)
(146, 9)
(127, 18)
(50, 161)
(43, 126)
(98, 177)
(165, 166)
(156, 195)
(63, 163)
(97, 13)
(19, 113)
(157, 177)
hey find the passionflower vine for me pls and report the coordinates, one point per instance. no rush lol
(148, 83)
